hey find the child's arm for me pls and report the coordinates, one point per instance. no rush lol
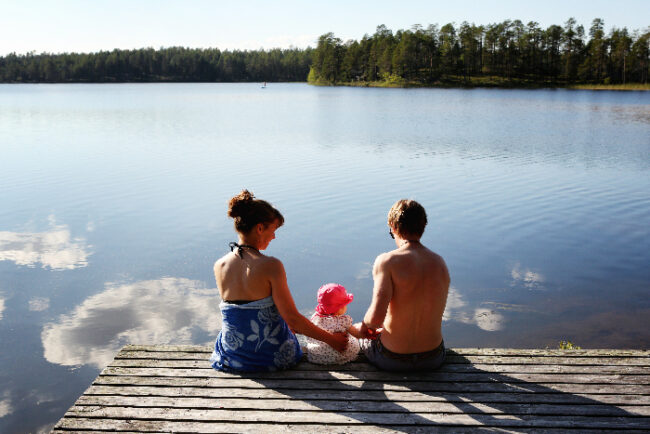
(355, 330)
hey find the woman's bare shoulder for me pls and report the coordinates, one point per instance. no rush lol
(222, 261)
(272, 265)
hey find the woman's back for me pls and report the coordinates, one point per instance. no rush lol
(258, 311)
(244, 278)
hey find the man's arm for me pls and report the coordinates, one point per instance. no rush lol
(382, 293)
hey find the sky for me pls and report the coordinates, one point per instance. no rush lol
(94, 25)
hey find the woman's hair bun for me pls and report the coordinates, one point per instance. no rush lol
(237, 204)
(248, 211)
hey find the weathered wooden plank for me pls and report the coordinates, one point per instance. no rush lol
(162, 355)
(530, 368)
(383, 376)
(549, 360)
(371, 395)
(205, 364)
(354, 417)
(451, 359)
(173, 388)
(286, 404)
(288, 384)
(464, 367)
(173, 348)
(460, 351)
(550, 352)
(89, 425)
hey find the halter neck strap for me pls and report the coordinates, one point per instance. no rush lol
(240, 248)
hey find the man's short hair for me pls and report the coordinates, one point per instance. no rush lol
(408, 218)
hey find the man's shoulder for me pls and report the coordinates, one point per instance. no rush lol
(384, 258)
(435, 256)
(388, 261)
(394, 255)
(400, 258)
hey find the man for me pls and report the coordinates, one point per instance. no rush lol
(411, 283)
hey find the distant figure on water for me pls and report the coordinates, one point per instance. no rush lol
(333, 300)
(403, 323)
(259, 316)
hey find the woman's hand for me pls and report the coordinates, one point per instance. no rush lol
(338, 341)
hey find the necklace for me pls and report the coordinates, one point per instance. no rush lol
(240, 248)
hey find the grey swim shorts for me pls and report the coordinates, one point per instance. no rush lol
(385, 359)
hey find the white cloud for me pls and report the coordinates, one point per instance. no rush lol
(453, 307)
(454, 302)
(160, 311)
(53, 248)
(364, 272)
(5, 406)
(39, 304)
(457, 310)
(488, 319)
(45, 428)
(526, 277)
(2, 306)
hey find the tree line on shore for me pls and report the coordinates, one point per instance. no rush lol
(510, 51)
(174, 64)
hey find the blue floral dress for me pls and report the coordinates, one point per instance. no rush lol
(254, 337)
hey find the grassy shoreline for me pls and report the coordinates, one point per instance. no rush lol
(485, 82)
(632, 86)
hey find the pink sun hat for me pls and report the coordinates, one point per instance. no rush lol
(332, 297)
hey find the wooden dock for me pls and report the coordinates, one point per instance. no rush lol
(173, 389)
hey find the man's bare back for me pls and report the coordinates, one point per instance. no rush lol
(413, 281)
(410, 288)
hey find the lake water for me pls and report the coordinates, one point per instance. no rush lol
(113, 210)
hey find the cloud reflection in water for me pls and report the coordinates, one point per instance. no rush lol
(488, 319)
(526, 277)
(39, 304)
(457, 310)
(151, 312)
(5, 406)
(2, 307)
(53, 248)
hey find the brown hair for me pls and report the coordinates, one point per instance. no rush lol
(248, 211)
(408, 217)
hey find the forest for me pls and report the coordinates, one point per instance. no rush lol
(509, 53)
(173, 64)
(500, 53)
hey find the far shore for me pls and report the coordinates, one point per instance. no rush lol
(634, 86)
(473, 82)
(488, 82)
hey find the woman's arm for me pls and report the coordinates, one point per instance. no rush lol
(295, 320)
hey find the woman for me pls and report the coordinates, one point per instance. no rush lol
(258, 312)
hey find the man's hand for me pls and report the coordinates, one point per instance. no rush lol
(361, 331)
(339, 341)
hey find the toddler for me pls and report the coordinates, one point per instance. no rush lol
(333, 300)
